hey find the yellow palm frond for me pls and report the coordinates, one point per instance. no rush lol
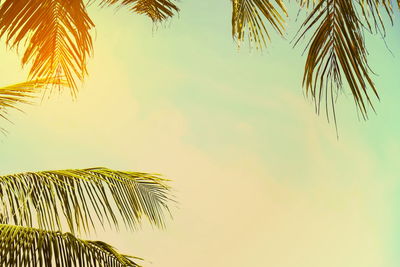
(157, 10)
(249, 16)
(24, 246)
(13, 95)
(54, 33)
(83, 195)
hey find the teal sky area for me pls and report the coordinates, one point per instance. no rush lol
(259, 178)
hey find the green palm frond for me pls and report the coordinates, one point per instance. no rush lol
(54, 33)
(336, 49)
(157, 10)
(83, 196)
(249, 18)
(30, 247)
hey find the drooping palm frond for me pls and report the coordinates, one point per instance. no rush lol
(30, 247)
(336, 49)
(157, 10)
(249, 18)
(83, 196)
(55, 34)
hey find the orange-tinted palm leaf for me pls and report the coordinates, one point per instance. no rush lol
(54, 34)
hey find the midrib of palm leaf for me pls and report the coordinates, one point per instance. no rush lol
(67, 57)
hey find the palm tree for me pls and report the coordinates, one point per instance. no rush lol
(85, 197)
(57, 41)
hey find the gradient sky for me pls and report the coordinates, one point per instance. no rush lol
(260, 179)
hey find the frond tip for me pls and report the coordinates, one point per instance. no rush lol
(13, 95)
(24, 246)
(249, 16)
(157, 10)
(83, 196)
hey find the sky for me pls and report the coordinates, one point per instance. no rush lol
(260, 179)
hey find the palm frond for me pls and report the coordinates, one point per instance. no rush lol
(55, 34)
(249, 18)
(24, 246)
(13, 95)
(83, 195)
(157, 10)
(336, 48)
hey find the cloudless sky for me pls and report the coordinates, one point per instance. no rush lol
(259, 178)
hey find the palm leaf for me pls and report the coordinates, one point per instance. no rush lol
(336, 49)
(13, 95)
(83, 196)
(157, 10)
(24, 246)
(249, 16)
(55, 34)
